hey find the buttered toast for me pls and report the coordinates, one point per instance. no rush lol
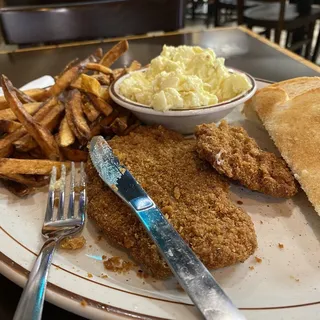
(290, 111)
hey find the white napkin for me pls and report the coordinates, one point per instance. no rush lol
(39, 83)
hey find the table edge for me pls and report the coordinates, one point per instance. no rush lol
(116, 39)
(285, 51)
(244, 29)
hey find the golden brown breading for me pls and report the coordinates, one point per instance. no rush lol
(192, 196)
(233, 153)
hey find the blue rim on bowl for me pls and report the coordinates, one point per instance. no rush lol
(135, 106)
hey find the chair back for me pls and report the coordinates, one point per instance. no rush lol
(57, 23)
(280, 24)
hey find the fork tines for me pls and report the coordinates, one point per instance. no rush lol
(60, 187)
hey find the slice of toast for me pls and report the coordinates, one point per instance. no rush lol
(293, 87)
(290, 111)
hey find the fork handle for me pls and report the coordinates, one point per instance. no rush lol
(31, 301)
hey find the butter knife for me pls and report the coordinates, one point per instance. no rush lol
(192, 275)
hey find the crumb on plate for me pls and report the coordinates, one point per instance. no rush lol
(73, 243)
(294, 278)
(141, 274)
(83, 303)
(116, 264)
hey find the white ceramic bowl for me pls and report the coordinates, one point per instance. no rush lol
(181, 120)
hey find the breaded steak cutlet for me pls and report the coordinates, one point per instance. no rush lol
(233, 153)
(192, 196)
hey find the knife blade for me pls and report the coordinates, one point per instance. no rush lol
(194, 278)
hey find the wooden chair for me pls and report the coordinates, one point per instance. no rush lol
(194, 5)
(229, 9)
(257, 15)
(279, 16)
(316, 50)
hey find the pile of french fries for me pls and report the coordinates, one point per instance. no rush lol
(42, 128)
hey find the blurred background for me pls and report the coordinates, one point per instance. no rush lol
(27, 23)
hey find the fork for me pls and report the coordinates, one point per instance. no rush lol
(54, 230)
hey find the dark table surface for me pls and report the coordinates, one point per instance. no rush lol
(241, 48)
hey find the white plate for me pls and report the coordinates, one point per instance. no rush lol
(286, 285)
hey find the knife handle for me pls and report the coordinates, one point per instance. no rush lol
(192, 275)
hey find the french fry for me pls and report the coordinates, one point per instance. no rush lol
(132, 127)
(31, 108)
(135, 65)
(43, 137)
(78, 119)
(117, 73)
(99, 68)
(66, 136)
(69, 117)
(9, 166)
(104, 94)
(36, 94)
(3, 103)
(65, 80)
(50, 121)
(6, 146)
(36, 153)
(18, 189)
(76, 62)
(27, 180)
(23, 97)
(8, 126)
(45, 108)
(87, 84)
(119, 125)
(21, 155)
(70, 64)
(75, 155)
(103, 79)
(100, 104)
(102, 122)
(114, 53)
(25, 144)
(91, 59)
(89, 110)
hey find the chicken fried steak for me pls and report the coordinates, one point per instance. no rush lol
(191, 195)
(231, 151)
